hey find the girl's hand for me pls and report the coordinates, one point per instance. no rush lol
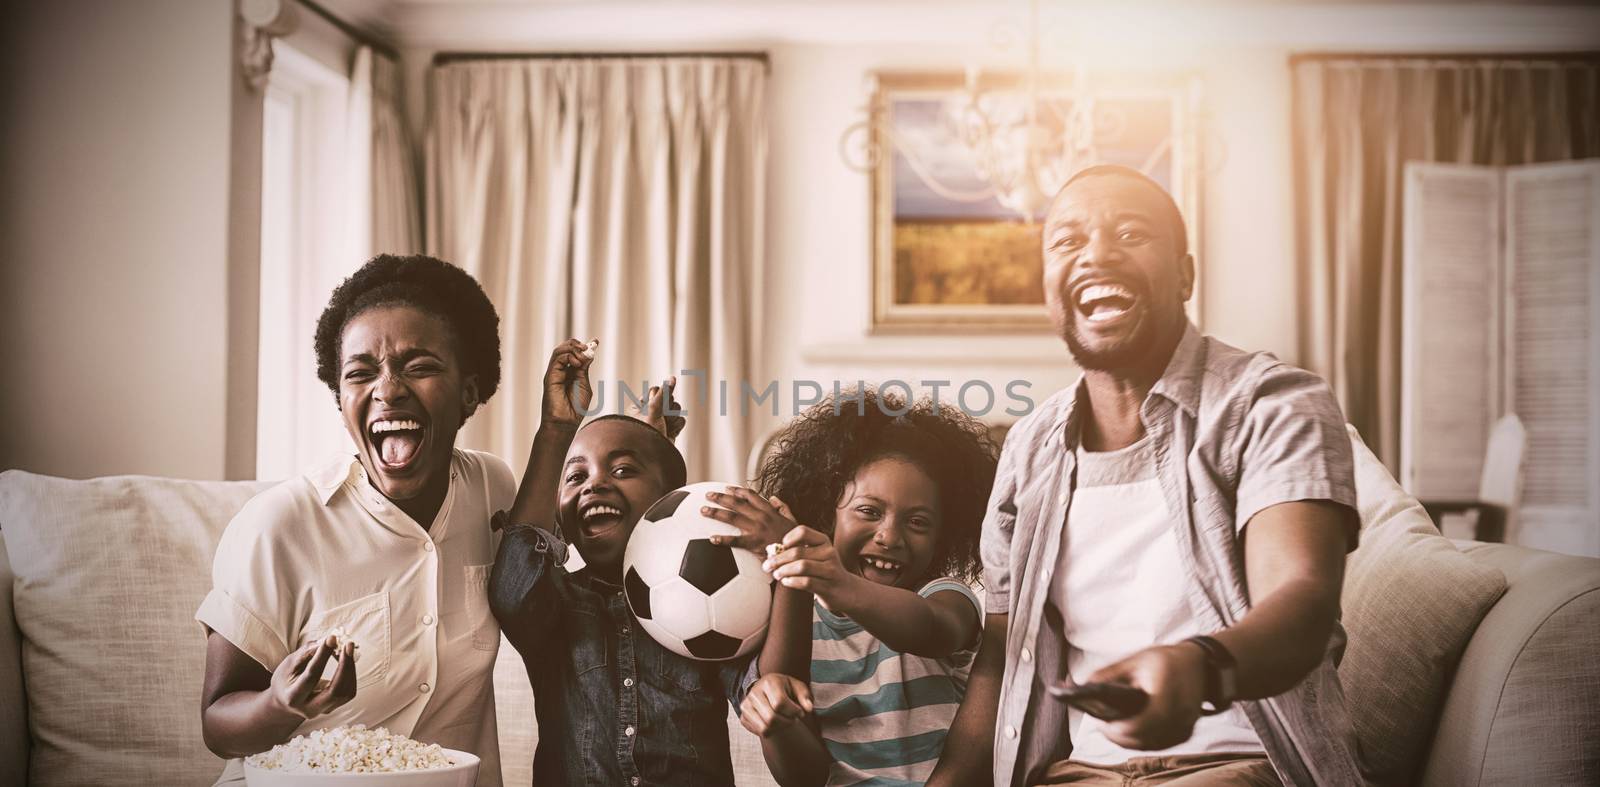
(809, 562)
(297, 686)
(567, 393)
(654, 410)
(775, 703)
(761, 521)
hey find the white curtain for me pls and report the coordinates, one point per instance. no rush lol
(360, 159)
(622, 199)
(396, 228)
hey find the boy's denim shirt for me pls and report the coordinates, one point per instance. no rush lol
(614, 707)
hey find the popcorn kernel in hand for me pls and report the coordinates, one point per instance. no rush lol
(341, 637)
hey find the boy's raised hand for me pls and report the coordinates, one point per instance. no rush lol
(567, 392)
(654, 411)
(761, 521)
(775, 703)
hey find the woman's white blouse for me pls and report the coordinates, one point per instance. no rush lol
(327, 550)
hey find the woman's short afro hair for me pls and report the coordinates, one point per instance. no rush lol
(430, 285)
(818, 454)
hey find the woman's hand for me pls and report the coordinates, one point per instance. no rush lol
(567, 392)
(809, 562)
(297, 685)
(761, 521)
(775, 703)
(654, 410)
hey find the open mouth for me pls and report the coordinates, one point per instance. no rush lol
(398, 440)
(600, 519)
(882, 570)
(1105, 303)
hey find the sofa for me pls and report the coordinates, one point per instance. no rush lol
(1467, 663)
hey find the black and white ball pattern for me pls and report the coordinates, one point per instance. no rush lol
(697, 599)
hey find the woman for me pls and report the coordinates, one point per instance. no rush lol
(356, 593)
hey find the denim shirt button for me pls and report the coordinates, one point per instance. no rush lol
(634, 781)
(628, 731)
(628, 682)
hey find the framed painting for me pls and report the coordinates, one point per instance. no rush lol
(951, 252)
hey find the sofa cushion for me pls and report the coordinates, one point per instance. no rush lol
(1411, 602)
(108, 575)
(13, 705)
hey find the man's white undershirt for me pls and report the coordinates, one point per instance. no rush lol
(1120, 588)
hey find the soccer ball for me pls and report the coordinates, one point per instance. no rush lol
(697, 599)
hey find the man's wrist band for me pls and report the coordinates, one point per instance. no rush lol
(1221, 675)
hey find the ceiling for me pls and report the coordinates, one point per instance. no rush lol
(557, 24)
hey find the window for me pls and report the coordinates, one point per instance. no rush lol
(312, 193)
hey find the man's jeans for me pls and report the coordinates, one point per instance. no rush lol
(1186, 770)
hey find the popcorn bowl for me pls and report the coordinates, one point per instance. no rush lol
(464, 773)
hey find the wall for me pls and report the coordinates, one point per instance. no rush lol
(114, 210)
(819, 236)
(115, 187)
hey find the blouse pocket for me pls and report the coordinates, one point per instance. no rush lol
(475, 602)
(365, 622)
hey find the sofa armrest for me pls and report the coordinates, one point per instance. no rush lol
(1524, 704)
(13, 699)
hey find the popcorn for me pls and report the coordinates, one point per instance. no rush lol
(588, 349)
(351, 749)
(341, 636)
(774, 548)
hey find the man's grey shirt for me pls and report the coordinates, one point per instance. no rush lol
(1232, 433)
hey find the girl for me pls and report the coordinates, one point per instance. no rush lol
(873, 626)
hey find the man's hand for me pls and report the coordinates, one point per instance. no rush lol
(761, 521)
(809, 562)
(567, 393)
(297, 685)
(1174, 676)
(655, 409)
(775, 703)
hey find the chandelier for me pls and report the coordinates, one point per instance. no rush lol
(1024, 139)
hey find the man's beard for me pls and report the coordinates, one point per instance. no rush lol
(1128, 353)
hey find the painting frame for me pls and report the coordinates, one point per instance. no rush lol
(890, 315)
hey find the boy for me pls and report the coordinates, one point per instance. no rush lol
(614, 707)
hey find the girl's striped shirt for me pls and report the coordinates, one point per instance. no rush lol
(883, 714)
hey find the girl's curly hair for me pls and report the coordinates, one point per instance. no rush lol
(818, 454)
(431, 285)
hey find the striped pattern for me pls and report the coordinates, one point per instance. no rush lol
(883, 714)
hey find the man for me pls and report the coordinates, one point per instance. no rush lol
(1176, 522)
